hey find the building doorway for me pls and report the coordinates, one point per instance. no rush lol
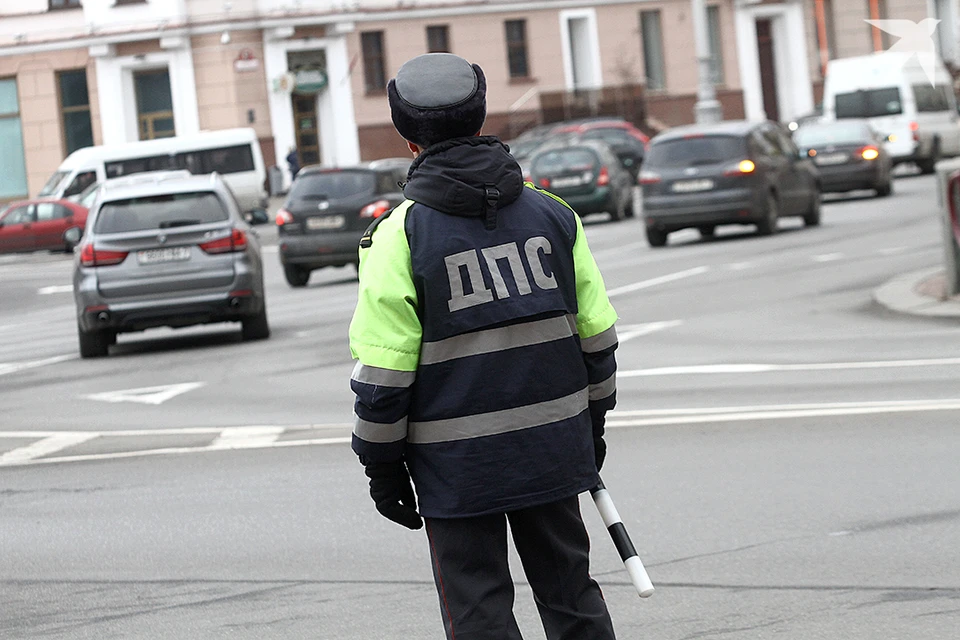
(768, 68)
(306, 127)
(154, 104)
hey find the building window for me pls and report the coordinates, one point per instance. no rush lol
(75, 110)
(438, 39)
(13, 166)
(517, 48)
(154, 104)
(716, 44)
(374, 67)
(653, 63)
(64, 4)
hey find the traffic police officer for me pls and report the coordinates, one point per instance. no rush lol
(485, 342)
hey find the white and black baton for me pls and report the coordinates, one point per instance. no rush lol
(631, 560)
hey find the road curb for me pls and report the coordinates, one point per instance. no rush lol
(900, 295)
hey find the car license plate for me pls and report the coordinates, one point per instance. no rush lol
(690, 186)
(167, 254)
(325, 222)
(831, 158)
(571, 181)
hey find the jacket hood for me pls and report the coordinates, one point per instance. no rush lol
(459, 176)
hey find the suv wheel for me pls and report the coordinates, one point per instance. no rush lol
(656, 237)
(886, 188)
(812, 217)
(94, 344)
(929, 165)
(256, 327)
(707, 231)
(296, 275)
(768, 225)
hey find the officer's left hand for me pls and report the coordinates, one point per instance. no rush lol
(600, 450)
(392, 492)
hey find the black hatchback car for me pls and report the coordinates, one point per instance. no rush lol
(586, 174)
(327, 211)
(702, 176)
(849, 154)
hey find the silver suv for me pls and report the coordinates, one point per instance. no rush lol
(166, 249)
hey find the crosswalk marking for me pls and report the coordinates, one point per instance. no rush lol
(45, 447)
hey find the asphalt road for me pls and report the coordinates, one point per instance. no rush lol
(783, 453)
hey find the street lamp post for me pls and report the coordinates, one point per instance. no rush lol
(707, 109)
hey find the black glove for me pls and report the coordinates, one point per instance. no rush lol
(392, 492)
(599, 450)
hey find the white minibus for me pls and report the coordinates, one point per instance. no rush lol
(892, 91)
(233, 153)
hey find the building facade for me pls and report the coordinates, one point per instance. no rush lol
(309, 76)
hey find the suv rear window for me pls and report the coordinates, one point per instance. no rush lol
(333, 185)
(689, 152)
(869, 103)
(160, 212)
(563, 161)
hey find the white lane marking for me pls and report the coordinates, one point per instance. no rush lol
(906, 404)
(246, 437)
(270, 248)
(13, 367)
(44, 447)
(182, 431)
(828, 257)
(739, 266)
(652, 282)
(837, 534)
(58, 288)
(146, 395)
(769, 368)
(631, 331)
(780, 415)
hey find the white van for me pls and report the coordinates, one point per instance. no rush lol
(233, 153)
(892, 91)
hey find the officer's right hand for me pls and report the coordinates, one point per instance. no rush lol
(392, 492)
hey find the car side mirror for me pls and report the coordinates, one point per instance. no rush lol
(73, 235)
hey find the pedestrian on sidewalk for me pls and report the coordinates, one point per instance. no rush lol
(486, 343)
(293, 162)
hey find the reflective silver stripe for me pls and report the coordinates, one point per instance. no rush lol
(603, 389)
(382, 377)
(378, 431)
(500, 339)
(599, 342)
(487, 424)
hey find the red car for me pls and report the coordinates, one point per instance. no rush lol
(33, 225)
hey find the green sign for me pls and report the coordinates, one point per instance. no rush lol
(310, 81)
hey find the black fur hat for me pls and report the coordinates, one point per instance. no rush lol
(437, 96)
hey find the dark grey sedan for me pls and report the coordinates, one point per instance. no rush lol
(849, 154)
(702, 176)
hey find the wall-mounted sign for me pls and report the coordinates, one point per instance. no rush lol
(310, 81)
(284, 82)
(246, 61)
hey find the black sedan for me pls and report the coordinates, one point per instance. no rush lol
(849, 154)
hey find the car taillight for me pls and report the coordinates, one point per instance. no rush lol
(375, 209)
(869, 153)
(236, 241)
(283, 217)
(743, 167)
(603, 178)
(93, 257)
(915, 127)
(545, 183)
(648, 177)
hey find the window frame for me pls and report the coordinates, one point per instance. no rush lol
(517, 50)
(16, 115)
(443, 29)
(656, 81)
(65, 6)
(374, 63)
(85, 108)
(715, 41)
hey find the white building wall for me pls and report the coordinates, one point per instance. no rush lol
(11, 8)
(103, 13)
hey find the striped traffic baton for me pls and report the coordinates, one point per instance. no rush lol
(611, 519)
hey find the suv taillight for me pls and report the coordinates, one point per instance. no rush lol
(236, 241)
(603, 178)
(375, 209)
(90, 256)
(284, 217)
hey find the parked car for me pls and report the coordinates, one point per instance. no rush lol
(327, 211)
(586, 174)
(702, 176)
(849, 154)
(33, 225)
(627, 141)
(166, 250)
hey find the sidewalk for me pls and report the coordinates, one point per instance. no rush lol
(919, 293)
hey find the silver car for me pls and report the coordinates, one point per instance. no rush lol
(166, 249)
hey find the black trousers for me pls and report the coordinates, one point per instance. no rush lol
(473, 579)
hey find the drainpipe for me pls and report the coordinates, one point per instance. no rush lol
(821, 17)
(708, 109)
(875, 15)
